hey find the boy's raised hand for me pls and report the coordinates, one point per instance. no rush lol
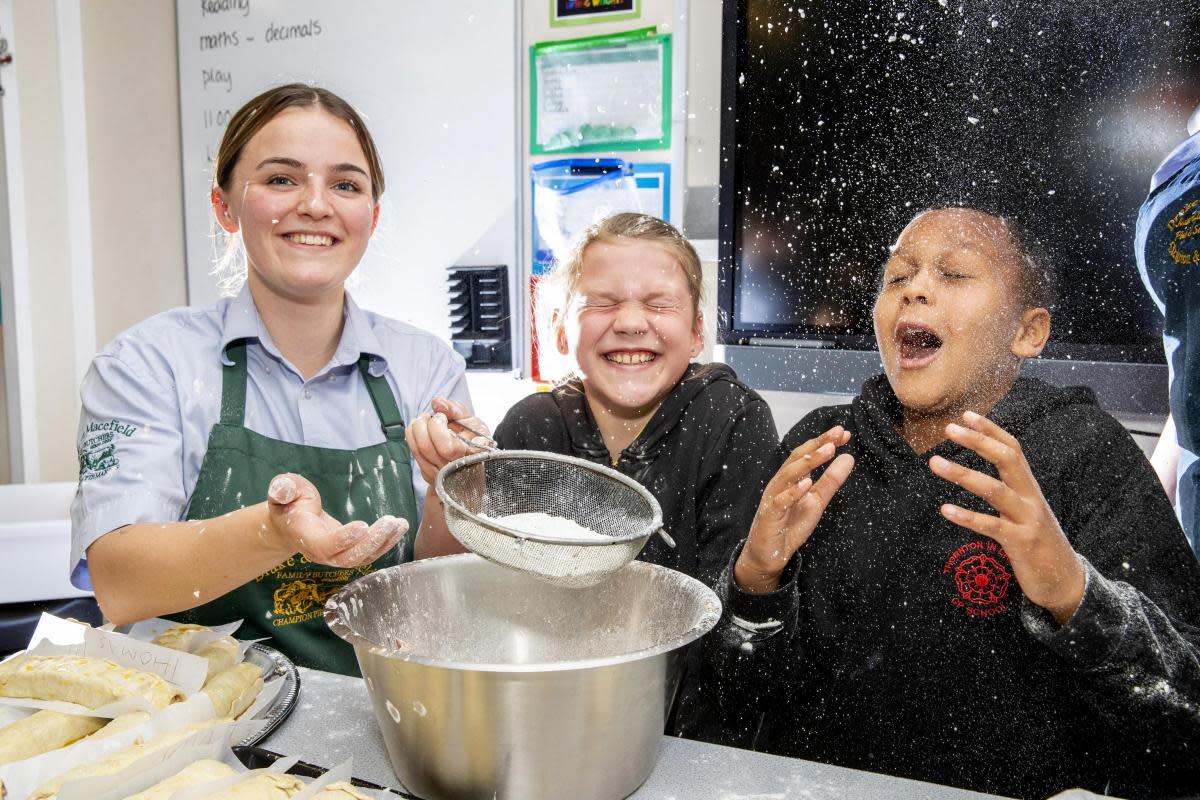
(1043, 561)
(790, 509)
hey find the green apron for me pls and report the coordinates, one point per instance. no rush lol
(287, 602)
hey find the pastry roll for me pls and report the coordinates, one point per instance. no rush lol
(340, 791)
(264, 786)
(42, 732)
(118, 760)
(233, 690)
(90, 682)
(179, 637)
(221, 653)
(194, 774)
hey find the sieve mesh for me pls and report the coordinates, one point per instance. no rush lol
(478, 490)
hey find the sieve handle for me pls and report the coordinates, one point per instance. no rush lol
(666, 537)
(469, 429)
(476, 443)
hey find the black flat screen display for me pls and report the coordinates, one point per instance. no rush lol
(844, 118)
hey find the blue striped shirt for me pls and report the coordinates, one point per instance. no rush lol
(153, 394)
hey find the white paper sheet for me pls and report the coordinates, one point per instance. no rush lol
(57, 630)
(182, 669)
(20, 778)
(211, 743)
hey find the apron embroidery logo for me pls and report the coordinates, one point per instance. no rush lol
(1185, 227)
(981, 577)
(298, 597)
(302, 588)
(98, 450)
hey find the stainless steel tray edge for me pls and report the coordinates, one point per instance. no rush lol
(272, 662)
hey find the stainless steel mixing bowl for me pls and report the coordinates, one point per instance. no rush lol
(487, 683)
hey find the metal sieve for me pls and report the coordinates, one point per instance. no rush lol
(478, 491)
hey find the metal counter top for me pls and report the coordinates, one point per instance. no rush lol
(333, 721)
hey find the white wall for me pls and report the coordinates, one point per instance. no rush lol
(130, 125)
(35, 63)
(704, 93)
(132, 97)
(5, 435)
(134, 220)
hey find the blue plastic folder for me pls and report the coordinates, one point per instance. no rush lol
(569, 194)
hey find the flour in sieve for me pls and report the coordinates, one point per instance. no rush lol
(537, 523)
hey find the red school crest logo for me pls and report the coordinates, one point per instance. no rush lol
(982, 577)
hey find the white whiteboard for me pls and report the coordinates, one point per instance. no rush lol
(436, 82)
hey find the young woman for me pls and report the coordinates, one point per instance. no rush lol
(692, 434)
(247, 459)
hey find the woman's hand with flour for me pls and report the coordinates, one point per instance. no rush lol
(297, 522)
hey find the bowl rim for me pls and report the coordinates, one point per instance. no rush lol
(334, 619)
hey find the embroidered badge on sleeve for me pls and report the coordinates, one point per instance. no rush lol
(98, 450)
(1185, 235)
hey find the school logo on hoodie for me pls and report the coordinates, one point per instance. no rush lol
(982, 576)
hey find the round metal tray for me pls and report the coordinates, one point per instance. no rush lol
(272, 662)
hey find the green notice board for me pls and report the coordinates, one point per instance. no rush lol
(601, 93)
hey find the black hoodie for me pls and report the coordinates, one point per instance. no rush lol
(707, 448)
(900, 643)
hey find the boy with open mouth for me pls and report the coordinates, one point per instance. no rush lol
(986, 587)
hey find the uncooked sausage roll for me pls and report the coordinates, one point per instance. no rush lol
(194, 774)
(233, 690)
(264, 786)
(90, 682)
(42, 732)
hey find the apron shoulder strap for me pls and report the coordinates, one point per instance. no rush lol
(233, 385)
(385, 402)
